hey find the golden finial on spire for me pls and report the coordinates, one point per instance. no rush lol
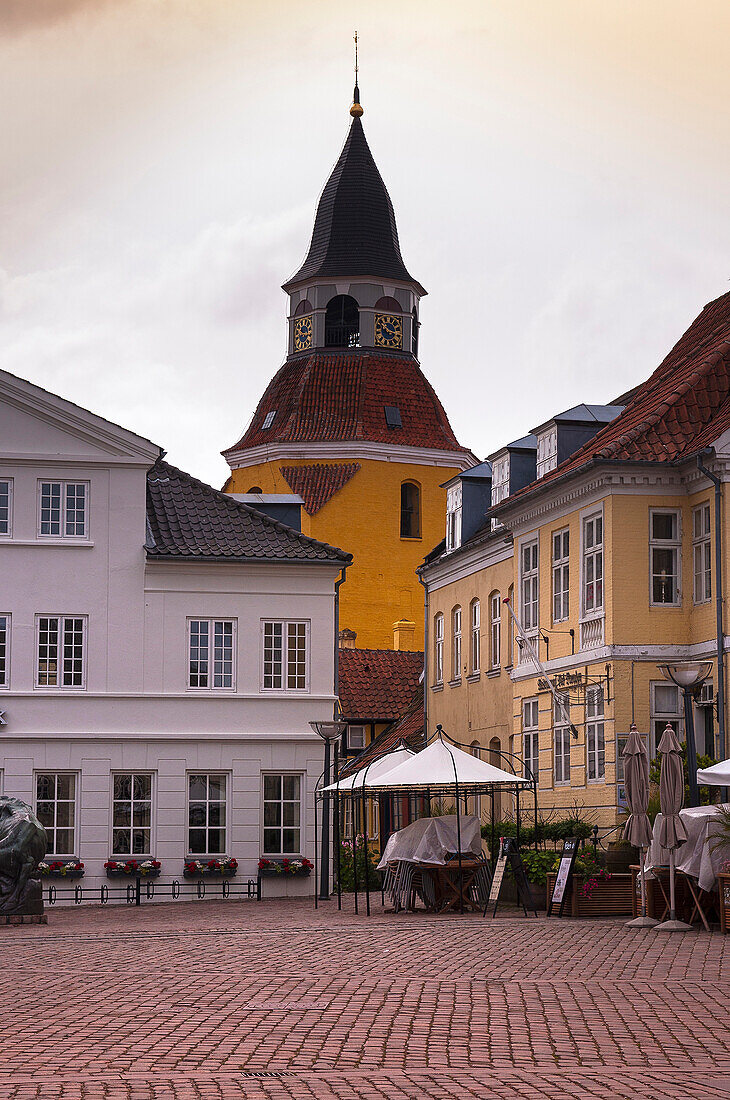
(356, 109)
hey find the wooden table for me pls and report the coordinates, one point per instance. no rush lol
(450, 892)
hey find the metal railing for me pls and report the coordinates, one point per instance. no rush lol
(139, 890)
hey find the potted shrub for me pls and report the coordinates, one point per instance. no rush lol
(61, 868)
(219, 867)
(145, 868)
(287, 867)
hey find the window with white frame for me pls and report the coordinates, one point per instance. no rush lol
(60, 648)
(453, 517)
(702, 553)
(355, 738)
(131, 814)
(530, 737)
(510, 629)
(282, 815)
(211, 645)
(561, 575)
(495, 630)
(438, 649)
(595, 741)
(665, 556)
(6, 507)
(456, 643)
(63, 509)
(4, 651)
(207, 814)
(285, 655)
(592, 564)
(547, 451)
(55, 808)
(476, 641)
(529, 585)
(500, 479)
(561, 741)
(666, 707)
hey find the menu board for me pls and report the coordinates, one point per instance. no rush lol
(565, 872)
(510, 853)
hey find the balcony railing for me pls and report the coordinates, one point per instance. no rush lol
(591, 633)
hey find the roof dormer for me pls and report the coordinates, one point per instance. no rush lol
(561, 437)
(468, 497)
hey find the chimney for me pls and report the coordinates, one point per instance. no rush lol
(347, 639)
(404, 632)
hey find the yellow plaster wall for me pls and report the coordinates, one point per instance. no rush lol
(363, 518)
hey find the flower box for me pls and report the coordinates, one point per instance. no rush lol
(225, 867)
(61, 868)
(610, 897)
(288, 868)
(131, 868)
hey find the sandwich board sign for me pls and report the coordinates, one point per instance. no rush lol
(564, 875)
(509, 853)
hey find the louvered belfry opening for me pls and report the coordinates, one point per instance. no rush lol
(342, 323)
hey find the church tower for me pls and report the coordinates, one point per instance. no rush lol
(349, 422)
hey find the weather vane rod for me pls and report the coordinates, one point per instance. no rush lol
(356, 109)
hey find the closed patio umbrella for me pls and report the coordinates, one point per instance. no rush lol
(672, 832)
(637, 830)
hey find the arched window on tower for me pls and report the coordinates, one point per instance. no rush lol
(410, 510)
(414, 333)
(342, 323)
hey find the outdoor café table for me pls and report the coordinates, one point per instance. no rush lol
(696, 857)
(449, 889)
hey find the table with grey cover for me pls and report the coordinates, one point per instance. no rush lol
(696, 856)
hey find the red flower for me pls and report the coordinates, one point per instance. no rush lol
(212, 864)
(56, 865)
(263, 864)
(233, 864)
(156, 863)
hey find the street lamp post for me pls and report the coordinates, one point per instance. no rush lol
(330, 732)
(689, 676)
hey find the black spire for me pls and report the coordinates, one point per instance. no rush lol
(354, 230)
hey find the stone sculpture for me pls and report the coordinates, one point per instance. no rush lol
(22, 847)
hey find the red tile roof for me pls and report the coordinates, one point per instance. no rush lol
(682, 408)
(376, 685)
(409, 728)
(318, 483)
(341, 395)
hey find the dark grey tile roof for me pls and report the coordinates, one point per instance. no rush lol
(188, 519)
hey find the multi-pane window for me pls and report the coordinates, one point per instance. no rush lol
(456, 643)
(561, 576)
(701, 553)
(475, 647)
(500, 479)
(561, 738)
(356, 738)
(453, 516)
(438, 649)
(4, 650)
(495, 630)
(285, 655)
(55, 807)
(595, 742)
(282, 814)
(410, 511)
(510, 629)
(206, 814)
(547, 452)
(530, 738)
(665, 555)
(529, 585)
(63, 507)
(61, 651)
(132, 814)
(666, 707)
(211, 644)
(592, 564)
(6, 503)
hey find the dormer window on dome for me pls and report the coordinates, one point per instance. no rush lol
(342, 323)
(392, 416)
(268, 420)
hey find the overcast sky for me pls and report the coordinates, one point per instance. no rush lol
(559, 170)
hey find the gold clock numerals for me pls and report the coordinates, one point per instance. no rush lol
(302, 333)
(388, 331)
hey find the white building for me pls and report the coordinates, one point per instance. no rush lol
(163, 649)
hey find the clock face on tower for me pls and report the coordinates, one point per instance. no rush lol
(388, 331)
(302, 333)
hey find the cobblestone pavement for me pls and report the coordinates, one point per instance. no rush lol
(276, 1001)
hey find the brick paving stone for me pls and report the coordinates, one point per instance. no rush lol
(273, 1000)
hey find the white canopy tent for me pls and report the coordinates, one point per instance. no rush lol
(716, 776)
(369, 775)
(442, 766)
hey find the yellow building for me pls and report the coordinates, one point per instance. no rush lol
(350, 423)
(611, 548)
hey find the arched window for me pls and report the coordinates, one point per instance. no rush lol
(414, 333)
(438, 648)
(303, 307)
(388, 305)
(456, 643)
(255, 489)
(510, 629)
(342, 323)
(495, 630)
(410, 510)
(475, 646)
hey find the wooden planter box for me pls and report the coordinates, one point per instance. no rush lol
(609, 899)
(723, 884)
